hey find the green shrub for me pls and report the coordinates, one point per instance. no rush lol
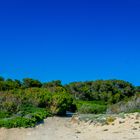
(111, 91)
(25, 120)
(4, 114)
(27, 109)
(28, 114)
(88, 107)
(39, 97)
(9, 106)
(17, 122)
(61, 102)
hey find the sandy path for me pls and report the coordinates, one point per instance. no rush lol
(53, 128)
(56, 128)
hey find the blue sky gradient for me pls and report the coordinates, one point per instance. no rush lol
(70, 40)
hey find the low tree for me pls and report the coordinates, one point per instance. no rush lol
(28, 83)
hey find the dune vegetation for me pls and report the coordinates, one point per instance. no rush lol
(26, 103)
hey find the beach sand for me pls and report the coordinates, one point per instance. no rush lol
(62, 128)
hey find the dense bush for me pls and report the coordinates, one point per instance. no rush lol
(26, 107)
(9, 102)
(131, 105)
(110, 91)
(10, 84)
(61, 103)
(38, 97)
(28, 83)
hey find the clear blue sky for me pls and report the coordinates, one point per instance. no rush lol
(70, 40)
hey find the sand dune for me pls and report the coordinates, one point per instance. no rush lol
(57, 128)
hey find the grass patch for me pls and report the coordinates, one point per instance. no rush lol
(90, 107)
(4, 114)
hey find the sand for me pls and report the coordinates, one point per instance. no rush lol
(61, 128)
